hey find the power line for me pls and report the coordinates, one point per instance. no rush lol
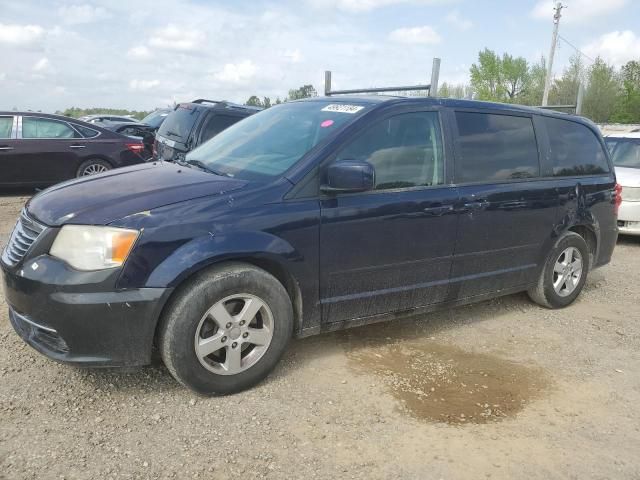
(575, 48)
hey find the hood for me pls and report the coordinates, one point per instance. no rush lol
(628, 177)
(101, 199)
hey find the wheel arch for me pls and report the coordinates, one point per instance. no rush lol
(269, 265)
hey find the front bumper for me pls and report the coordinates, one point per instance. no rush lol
(79, 317)
(629, 218)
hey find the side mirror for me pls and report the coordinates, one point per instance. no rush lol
(349, 176)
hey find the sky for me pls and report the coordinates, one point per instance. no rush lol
(144, 54)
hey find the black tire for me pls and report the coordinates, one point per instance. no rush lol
(544, 293)
(93, 162)
(182, 317)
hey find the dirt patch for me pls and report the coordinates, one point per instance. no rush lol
(443, 383)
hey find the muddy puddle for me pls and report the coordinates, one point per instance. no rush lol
(443, 383)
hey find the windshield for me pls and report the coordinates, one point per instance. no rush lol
(268, 143)
(627, 154)
(155, 119)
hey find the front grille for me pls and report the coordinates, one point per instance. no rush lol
(24, 234)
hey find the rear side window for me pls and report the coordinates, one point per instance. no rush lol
(87, 132)
(5, 127)
(215, 124)
(575, 149)
(179, 123)
(35, 127)
(494, 147)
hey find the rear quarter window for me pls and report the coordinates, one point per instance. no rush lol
(492, 147)
(574, 149)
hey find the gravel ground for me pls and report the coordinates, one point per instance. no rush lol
(502, 389)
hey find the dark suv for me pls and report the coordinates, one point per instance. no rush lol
(192, 124)
(308, 217)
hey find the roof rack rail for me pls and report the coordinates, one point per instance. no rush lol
(226, 104)
(432, 88)
(204, 100)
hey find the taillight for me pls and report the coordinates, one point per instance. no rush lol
(618, 197)
(136, 147)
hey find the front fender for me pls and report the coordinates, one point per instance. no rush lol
(214, 248)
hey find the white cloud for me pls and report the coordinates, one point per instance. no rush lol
(3, 76)
(415, 35)
(41, 65)
(577, 10)
(357, 6)
(457, 21)
(140, 52)
(141, 85)
(82, 13)
(294, 56)
(237, 72)
(178, 39)
(20, 35)
(615, 47)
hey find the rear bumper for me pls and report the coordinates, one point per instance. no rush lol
(76, 317)
(629, 218)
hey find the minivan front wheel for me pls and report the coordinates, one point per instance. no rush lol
(564, 273)
(226, 329)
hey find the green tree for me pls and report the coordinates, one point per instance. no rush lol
(266, 102)
(565, 89)
(514, 76)
(486, 76)
(627, 108)
(500, 79)
(253, 101)
(602, 91)
(305, 91)
(533, 91)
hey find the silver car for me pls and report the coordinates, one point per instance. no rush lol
(625, 152)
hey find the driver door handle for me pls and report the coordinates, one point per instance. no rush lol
(5, 148)
(77, 146)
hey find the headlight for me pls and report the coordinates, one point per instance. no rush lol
(93, 248)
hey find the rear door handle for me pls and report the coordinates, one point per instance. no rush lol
(77, 146)
(4, 148)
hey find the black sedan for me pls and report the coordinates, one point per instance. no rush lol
(39, 149)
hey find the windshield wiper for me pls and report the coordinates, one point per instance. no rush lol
(173, 134)
(202, 166)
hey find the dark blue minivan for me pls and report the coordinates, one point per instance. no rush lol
(307, 217)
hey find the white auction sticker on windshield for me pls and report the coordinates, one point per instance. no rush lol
(342, 108)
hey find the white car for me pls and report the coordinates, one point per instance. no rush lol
(625, 152)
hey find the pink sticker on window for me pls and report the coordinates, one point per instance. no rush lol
(326, 123)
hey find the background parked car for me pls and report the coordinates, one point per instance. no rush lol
(106, 118)
(146, 133)
(38, 149)
(625, 152)
(191, 124)
(155, 119)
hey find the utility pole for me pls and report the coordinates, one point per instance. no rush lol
(554, 40)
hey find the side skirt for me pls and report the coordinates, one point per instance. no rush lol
(385, 317)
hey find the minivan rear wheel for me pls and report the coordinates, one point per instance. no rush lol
(564, 273)
(225, 329)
